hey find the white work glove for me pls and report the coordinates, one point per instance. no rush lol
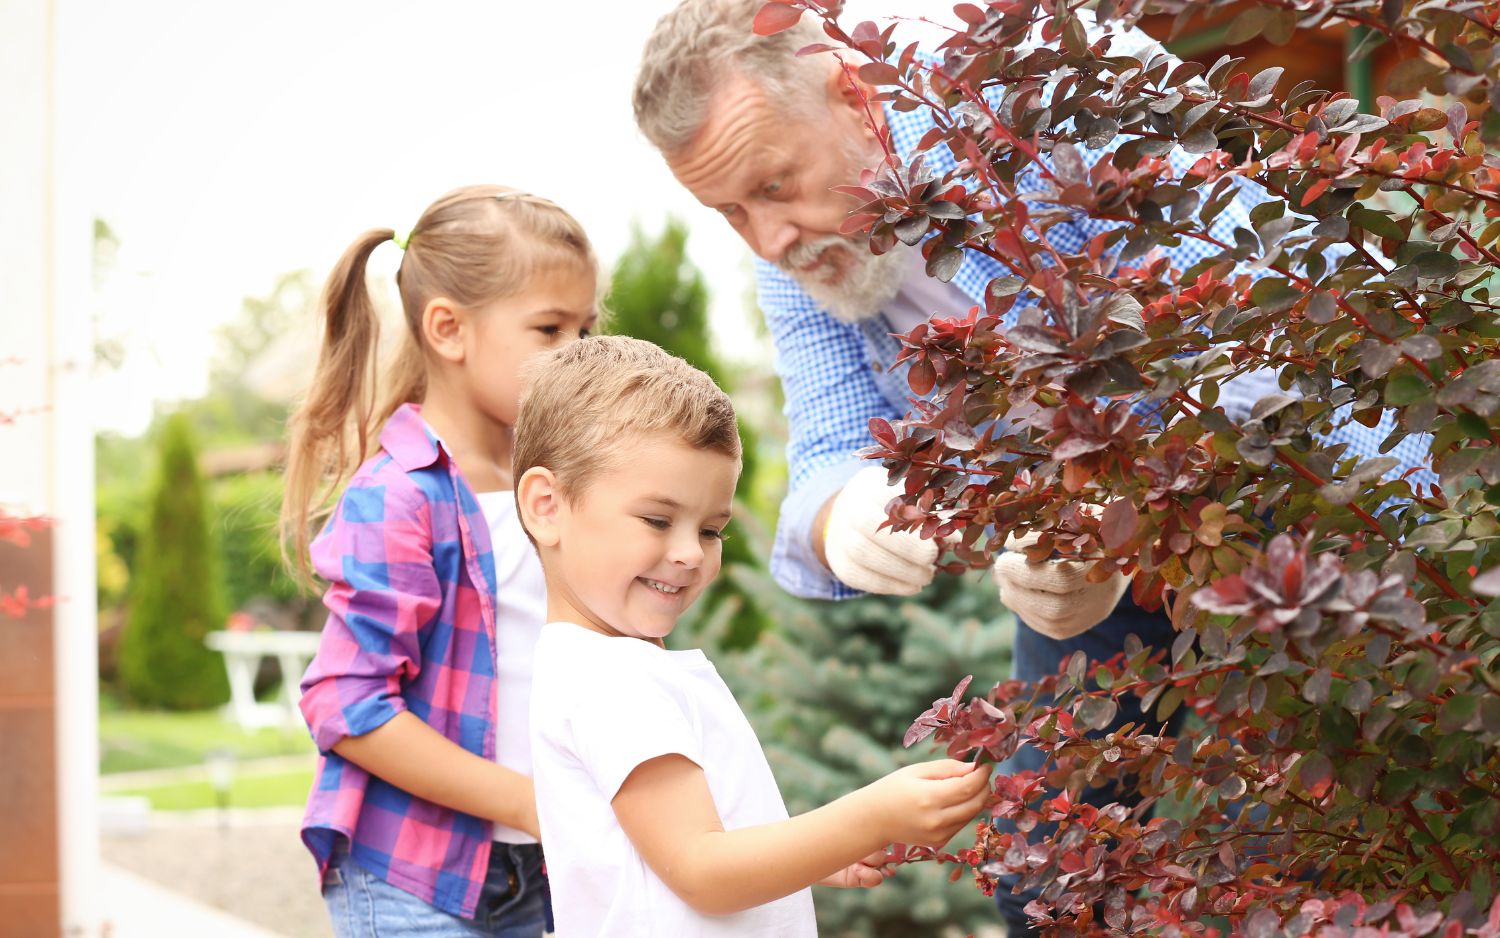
(894, 563)
(1054, 597)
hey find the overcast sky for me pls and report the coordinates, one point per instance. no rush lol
(228, 143)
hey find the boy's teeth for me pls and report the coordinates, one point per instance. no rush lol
(662, 587)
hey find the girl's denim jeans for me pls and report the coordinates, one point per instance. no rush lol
(513, 904)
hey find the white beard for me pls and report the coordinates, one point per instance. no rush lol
(869, 283)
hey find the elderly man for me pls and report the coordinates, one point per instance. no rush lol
(761, 136)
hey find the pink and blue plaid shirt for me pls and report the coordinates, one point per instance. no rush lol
(411, 626)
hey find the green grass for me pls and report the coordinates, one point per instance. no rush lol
(257, 791)
(132, 740)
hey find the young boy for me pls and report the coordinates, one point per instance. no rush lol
(658, 810)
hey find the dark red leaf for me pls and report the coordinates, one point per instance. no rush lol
(1118, 523)
(776, 17)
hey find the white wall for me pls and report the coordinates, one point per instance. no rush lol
(46, 350)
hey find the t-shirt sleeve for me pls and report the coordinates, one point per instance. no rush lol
(630, 717)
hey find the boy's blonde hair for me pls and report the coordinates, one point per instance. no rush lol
(588, 402)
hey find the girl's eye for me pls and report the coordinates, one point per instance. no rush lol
(548, 331)
(660, 524)
(711, 534)
(585, 332)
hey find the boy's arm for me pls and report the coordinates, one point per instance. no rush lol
(666, 809)
(418, 759)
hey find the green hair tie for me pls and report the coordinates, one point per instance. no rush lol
(402, 239)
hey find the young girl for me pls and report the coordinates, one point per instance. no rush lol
(423, 818)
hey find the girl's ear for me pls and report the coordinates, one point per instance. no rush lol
(539, 500)
(443, 329)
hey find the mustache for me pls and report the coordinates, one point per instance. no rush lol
(805, 252)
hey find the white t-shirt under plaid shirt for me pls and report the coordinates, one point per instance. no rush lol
(601, 706)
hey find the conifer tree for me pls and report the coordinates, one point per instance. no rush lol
(174, 589)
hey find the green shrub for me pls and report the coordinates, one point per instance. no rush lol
(174, 592)
(244, 529)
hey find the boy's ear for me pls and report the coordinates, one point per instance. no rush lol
(538, 499)
(443, 328)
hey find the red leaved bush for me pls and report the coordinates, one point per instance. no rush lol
(1336, 636)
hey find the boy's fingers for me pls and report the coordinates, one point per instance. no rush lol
(962, 788)
(946, 768)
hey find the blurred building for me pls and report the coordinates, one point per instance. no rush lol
(1335, 58)
(48, 701)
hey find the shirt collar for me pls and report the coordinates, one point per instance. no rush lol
(406, 437)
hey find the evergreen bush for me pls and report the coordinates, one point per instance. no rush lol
(174, 593)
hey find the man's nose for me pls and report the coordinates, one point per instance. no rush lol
(772, 233)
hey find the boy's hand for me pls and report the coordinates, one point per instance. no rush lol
(929, 802)
(871, 871)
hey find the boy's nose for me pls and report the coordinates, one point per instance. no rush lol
(686, 552)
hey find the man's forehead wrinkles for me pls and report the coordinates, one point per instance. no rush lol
(728, 144)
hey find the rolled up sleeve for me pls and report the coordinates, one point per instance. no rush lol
(376, 554)
(831, 396)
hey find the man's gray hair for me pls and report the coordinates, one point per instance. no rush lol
(692, 50)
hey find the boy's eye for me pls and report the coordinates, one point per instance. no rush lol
(585, 332)
(660, 524)
(548, 330)
(715, 535)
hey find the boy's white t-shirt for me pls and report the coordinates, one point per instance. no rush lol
(600, 707)
(520, 612)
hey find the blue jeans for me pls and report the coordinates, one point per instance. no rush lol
(1036, 656)
(513, 903)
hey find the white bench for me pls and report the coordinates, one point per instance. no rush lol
(243, 652)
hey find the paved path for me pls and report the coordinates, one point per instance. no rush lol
(253, 875)
(136, 907)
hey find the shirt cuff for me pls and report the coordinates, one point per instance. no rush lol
(794, 564)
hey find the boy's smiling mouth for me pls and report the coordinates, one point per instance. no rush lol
(661, 587)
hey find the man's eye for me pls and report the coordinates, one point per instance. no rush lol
(773, 187)
(660, 524)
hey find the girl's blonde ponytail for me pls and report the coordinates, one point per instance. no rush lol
(331, 431)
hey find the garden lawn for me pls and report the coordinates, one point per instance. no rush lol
(134, 740)
(247, 791)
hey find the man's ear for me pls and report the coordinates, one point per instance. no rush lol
(849, 96)
(539, 500)
(443, 324)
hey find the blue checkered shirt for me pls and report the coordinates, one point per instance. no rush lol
(837, 375)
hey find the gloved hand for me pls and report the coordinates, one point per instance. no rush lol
(895, 563)
(1054, 597)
